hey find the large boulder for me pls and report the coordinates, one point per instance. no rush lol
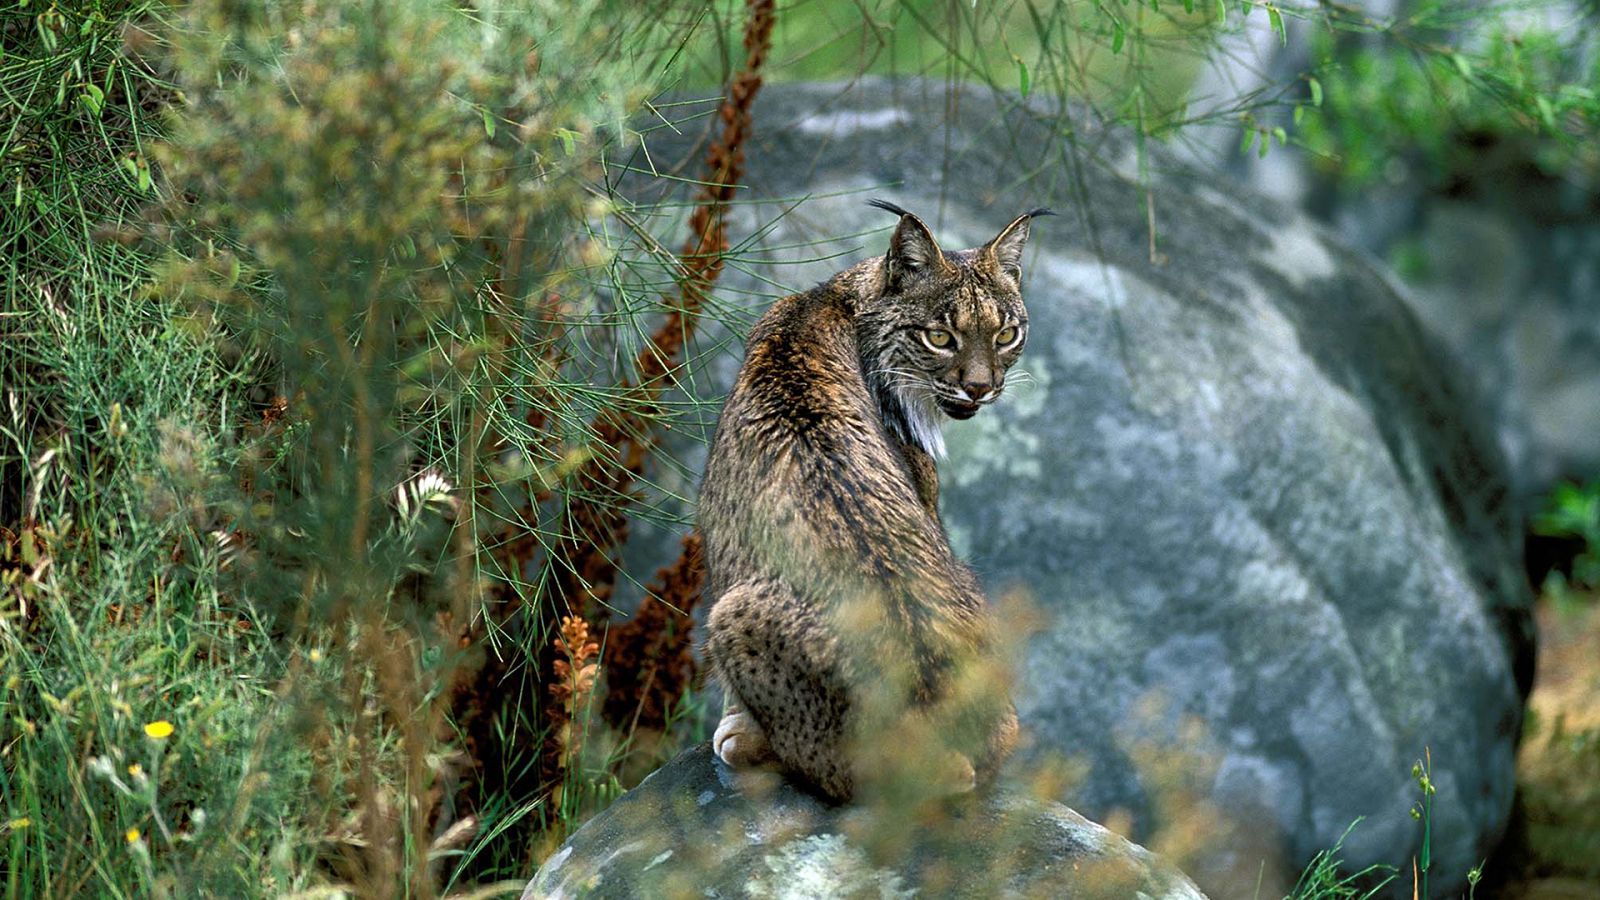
(696, 829)
(1273, 544)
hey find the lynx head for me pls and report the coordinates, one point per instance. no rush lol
(939, 339)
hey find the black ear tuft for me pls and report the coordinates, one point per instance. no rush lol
(1006, 248)
(887, 206)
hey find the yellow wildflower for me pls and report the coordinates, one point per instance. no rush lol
(18, 824)
(136, 770)
(159, 729)
(132, 835)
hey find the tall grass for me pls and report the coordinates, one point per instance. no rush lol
(284, 367)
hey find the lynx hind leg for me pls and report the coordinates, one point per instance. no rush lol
(773, 656)
(739, 740)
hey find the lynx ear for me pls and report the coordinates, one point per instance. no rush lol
(912, 249)
(1006, 248)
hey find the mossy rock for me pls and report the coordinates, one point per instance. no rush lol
(695, 828)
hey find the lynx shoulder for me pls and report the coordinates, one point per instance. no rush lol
(840, 614)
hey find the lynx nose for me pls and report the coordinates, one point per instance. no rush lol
(979, 391)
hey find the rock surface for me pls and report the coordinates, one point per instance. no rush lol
(1509, 283)
(1273, 543)
(696, 829)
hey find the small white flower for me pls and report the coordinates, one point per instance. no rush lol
(102, 766)
(228, 548)
(427, 488)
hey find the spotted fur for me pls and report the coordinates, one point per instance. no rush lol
(831, 572)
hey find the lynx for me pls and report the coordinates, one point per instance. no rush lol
(839, 608)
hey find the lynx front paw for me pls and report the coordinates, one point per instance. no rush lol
(739, 741)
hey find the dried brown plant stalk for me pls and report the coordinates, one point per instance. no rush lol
(649, 660)
(597, 522)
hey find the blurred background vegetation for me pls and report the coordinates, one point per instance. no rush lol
(331, 372)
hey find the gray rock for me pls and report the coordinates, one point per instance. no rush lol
(1273, 543)
(697, 829)
(1511, 286)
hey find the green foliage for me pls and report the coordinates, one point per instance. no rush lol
(364, 210)
(77, 114)
(112, 410)
(78, 124)
(1134, 62)
(1422, 811)
(1464, 93)
(102, 636)
(1324, 878)
(1573, 512)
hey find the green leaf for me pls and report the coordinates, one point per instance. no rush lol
(1463, 65)
(1276, 18)
(1546, 111)
(137, 169)
(1282, 136)
(1316, 93)
(1188, 6)
(93, 98)
(569, 140)
(1264, 146)
(1570, 511)
(1222, 12)
(1022, 78)
(1118, 35)
(488, 123)
(1299, 113)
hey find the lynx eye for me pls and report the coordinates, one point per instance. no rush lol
(938, 338)
(1006, 336)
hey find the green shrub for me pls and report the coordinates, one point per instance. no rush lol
(264, 354)
(1462, 99)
